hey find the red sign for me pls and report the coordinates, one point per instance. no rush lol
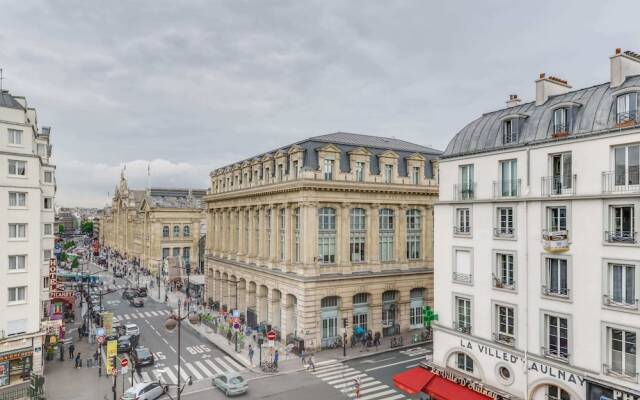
(271, 335)
(124, 362)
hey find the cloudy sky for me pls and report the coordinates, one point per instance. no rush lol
(192, 85)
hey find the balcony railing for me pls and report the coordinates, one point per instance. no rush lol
(504, 338)
(558, 354)
(462, 230)
(555, 241)
(628, 118)
(555, 291)
(560, 130)
(503, 232)
(506, 188)
(611, 370)
(503, 283)
(558, 185)
(620, 237)
(465, 191)
(462, 326)
(621, 181)
(619, 302)
(462, 278)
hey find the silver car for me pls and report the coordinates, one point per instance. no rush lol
(230, 383)
(145, 391)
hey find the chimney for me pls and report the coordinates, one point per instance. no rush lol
(623, 65)
(513, 101)
(547, 86)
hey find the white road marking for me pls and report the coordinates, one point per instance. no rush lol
(194, 370)
(370, 390)
(172, 377)
(145, 377)
(354, 376)
(392, 364)
(172, 349)
(376, 395)
(320, 363)
(155, 314)
(215, 367)
(342, 385)
(164, 340)
(126, 316)
(334, 372)
(224, 364)
(148, 314)
(331, 368)
(234, 364)
(363, 384)
(204, 369)
(183, 373)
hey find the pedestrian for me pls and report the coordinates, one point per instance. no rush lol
(250, 355)
(61, 348)
(276, 356)
(96, 355)
(302, 357)
(311, 364)
(72, 348)
(166, 298)
(78, 362)
(356, 385)
(229, 336)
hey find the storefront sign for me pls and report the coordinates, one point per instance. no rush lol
(107, 322)
(541, 368)
(55, 289)
(4, 373)
(596, 391)
(112, 351)
(471, 384)
(15, 355)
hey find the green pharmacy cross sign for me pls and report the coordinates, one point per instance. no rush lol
(428, 316)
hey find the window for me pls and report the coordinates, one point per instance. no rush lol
(17, 263)
(15, 137)
(560, 121)
(416, 297)
(556, 277)
(505, 222)
(415, 175)
(627, 108)
(186, 231)
(294, 169)
(358, 235)
(388, 170)
(508, 178)
(359, 171)
(296, 228)
(46, 255)
(557, 219)
(327, 235)
(464, 362)
(463, 315)
(622, 284)
(280, 172)
(42, 149)
(282, 232)
(176, 251)
(561, 178)
(246, 231)
(256, 222)
(505, 321)
(48, 229)
(555, 393)
(623, 354)
(622, 224)
(17, 199)
(387, 232)
(328, 170)
(414, 234)
(557, 336)
(186, 254)
(466, 186)
(48, 177)
(176, 231)
(267, 226)
(505, 274)
(510, 131)
(463, 221)
(165, 253)
(48, 203)
(165, 231)
(462, 269)
(329, 316)
(17, 168)
(18, 294)
(627, 165)
(17, 231)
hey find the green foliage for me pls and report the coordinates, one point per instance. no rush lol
(75, 263)
(86, 227)
(63, 256)
(61, 229)
(69, 244)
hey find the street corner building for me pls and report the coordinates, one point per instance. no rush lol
(328, 233)
(537, 262)
(149, 226)
(27, 192)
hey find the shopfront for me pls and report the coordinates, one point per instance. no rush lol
(598, 391)
(16, 366)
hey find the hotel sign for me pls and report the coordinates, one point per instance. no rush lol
(54, 288)
(467, 382)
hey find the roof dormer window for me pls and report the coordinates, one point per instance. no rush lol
(627, 108)
(560, 122)
(510, 131)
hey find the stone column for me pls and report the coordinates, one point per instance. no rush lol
(427, 234)
(343, 235)
(309, 240)
(373, 236)
(251, 248)
(241, 226)
(375, 312)
(401, 234)
(273, 256)
(288, 237)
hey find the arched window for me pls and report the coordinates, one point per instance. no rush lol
(329, 316)
(186, 231)
(176, 231)
(165, 231)
(327, 235)
(416, 297)
(464, 362)
(329, 302)
(360, 313)
(358, 234)
(386, 234)
(556, 393)
(414, 234)
(390, 324)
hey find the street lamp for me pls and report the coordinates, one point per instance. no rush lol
(173, 322)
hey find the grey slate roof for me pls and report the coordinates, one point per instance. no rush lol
(176, 198)
(596, 111)
(7, 101)
(355, 139)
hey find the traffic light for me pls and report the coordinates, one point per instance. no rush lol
(428, 316)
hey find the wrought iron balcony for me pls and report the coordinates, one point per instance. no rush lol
(555, 291)
(627, 118)
(557, 354)
(506, 188)
(462, 230)
(505, 339)
(560, 130)
(620, 302)
(555, 241)
(503, 283)
(620, 237)
(464, 191)
(462, 326)
(609, 369)
(558, 185)
(462, 278)
(621, 181)
(503, 232)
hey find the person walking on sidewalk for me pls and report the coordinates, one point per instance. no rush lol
(250, 355)
(72, 349)
(276, 356)
(78, 365)
(302, 357)
(311, 364)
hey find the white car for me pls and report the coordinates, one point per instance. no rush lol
(131, 329)
(145, 391)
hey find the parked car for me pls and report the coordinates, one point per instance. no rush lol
(142, 356)
(145, 391)
(125, 344)
(129, 294)
(131, 329)
(230, 383)
(136, 302)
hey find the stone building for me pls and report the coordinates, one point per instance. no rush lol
(332, 228)
(150, 225)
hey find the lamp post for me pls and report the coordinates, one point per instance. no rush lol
(173, 322)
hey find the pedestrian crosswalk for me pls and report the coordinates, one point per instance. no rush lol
(343, 378)
(197, 370)
(143, 314)
(416, 351)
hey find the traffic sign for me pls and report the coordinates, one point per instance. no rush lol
(100, 339)
(124, 362)
(271, 335)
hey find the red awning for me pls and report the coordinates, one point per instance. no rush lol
(418, 380)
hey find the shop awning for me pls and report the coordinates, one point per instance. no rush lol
(419, 379)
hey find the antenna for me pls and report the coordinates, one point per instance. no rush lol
(148, 177)
(1, 79)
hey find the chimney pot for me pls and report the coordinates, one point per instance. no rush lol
(623, 65)
(513, 100)
(542, 75)
(549, 86)
(618, 50)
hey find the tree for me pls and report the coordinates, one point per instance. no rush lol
(86, 227)
(61, 229)
(75, 263)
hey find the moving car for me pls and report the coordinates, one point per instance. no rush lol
(131, 329)
(230, 383)
(142, 356)
(136, 302)
(129, 294)
(125, 344)
(145, 391)
(142, 291)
